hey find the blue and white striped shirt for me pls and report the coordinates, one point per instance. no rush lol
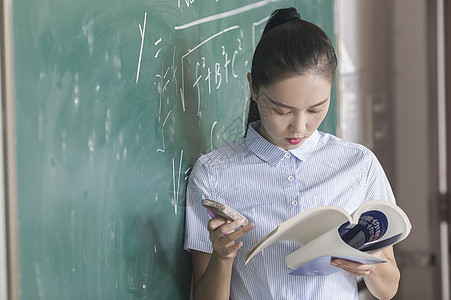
(269, 185)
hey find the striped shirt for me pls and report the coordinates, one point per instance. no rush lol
(269, 185)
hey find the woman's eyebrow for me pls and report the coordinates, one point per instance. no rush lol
(278, 103)
(291, 107)
(320, 103)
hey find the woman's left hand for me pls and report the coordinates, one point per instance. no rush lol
(381, 279)
(354, 268)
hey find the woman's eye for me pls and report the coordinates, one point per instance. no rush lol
(281, 113)
(314, 111)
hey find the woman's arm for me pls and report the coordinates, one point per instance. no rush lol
(382, 280)
(212, 272)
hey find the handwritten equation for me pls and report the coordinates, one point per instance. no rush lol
(191, 74)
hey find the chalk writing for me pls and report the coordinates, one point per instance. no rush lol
(216, 67)
(187, 2)
(215, 73)
(235, 53)
(211, 134)
(165, 78)
(142, 31)
(203, 71)
(176, 182)
(225, 14)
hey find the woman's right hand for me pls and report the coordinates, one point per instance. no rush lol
(223, 235)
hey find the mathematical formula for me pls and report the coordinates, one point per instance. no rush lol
(187, 78)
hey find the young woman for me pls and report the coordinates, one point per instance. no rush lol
(282, 167)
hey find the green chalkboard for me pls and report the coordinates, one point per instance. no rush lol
(115, 100)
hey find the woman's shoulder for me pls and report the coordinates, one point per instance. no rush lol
(333, 143)
(224, 153)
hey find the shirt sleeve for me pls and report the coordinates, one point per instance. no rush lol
(196, 233)
(378, 186)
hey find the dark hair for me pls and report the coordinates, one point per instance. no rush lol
(290, 46)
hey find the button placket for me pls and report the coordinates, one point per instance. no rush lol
(291, 189)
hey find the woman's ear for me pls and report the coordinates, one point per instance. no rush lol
(251, 88)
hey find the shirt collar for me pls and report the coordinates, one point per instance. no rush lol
(273, 154)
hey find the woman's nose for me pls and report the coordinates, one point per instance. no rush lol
(298, 124)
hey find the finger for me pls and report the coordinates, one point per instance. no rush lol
(229, 240)
(352, 272)
(242, 231)
(229, 227)
(225, 233)
(215, 223)
(349, 264)
(354, 268)
(238, 233)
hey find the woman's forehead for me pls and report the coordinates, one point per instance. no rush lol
(297, 90)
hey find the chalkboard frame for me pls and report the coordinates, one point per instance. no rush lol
(8, 214)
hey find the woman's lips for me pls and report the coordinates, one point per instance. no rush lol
(295, 141)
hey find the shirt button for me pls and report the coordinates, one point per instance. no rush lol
(290, 178)
(287, 155)
(294, 203)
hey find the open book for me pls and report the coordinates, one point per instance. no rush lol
(329, 231)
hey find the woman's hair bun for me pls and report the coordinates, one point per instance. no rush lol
(281, 16)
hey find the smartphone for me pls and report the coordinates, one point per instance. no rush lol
(218, 209)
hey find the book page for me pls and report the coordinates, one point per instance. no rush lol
(303, 227)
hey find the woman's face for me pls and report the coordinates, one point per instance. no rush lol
(292, 109)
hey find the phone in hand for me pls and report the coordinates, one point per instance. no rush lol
(218, 209)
